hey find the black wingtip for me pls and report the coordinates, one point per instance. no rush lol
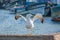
(15, 18)
(42, 21)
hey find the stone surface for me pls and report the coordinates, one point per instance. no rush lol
(57, 37)
(40, 37)
(8, 25)
(26, 38)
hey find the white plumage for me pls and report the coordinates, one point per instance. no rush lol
(29, 20)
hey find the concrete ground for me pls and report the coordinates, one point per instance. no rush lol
(8, 25)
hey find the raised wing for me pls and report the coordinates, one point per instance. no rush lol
(24, 18)
(38, 16)
(20, 16)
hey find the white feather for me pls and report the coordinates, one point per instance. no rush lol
(29, 21)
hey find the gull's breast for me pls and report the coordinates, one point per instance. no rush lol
(30, 24)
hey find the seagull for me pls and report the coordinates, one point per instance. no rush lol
(30, 21)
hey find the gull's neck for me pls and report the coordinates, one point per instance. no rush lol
(30, 21)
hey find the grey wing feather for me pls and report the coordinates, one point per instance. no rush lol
(38, 16)
(24, 18)
(21, 16)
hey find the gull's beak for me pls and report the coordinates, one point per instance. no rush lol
(17, 17)
(32, 15)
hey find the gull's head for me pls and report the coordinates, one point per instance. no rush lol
(29, 15)
(17, 17)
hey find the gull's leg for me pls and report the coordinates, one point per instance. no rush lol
(30, 32)
(29, 28)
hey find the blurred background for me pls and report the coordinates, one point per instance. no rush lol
(50, 9)
(27, 5)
